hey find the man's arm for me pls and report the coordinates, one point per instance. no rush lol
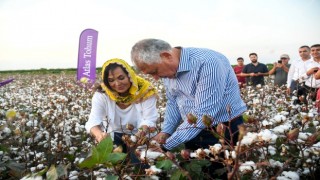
(273, 70)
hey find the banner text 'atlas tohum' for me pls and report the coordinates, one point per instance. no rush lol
(86, 71)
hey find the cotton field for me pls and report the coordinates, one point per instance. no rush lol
(42, 136)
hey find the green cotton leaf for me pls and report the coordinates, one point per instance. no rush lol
(114, 158)
(202, 162)
(89, 162)
(165, 164)
(111, 177)
(100, 154)
(178, 175)
(220, 171)
(311, 130)
(42, 172)
(195, 166)
(62, 170)
(103, 149)
(52, 173)
(14, 166)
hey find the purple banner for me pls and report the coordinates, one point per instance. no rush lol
(6, 82)
(86, 72)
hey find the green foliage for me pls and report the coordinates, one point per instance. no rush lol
(114, 158)
(195, 168)
(16, 169)
(164, 164)
(101, 154)
(57, 172)
(110, 177)
(178, 175)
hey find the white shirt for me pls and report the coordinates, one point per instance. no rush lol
(104, 112)
(296, 70)
(310, 80)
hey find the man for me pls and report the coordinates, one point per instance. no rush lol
(238, 70)
(198, 81)
(312, 84)
(297, 69)
(280, 70)
(255, 71)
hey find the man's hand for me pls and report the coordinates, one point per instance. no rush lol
(161, 137)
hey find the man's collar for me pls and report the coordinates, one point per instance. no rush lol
(184, 63)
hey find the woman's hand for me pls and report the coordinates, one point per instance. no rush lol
(98, 134)
(101, 136)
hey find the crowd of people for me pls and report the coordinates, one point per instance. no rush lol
(301, 78)
(199, 83)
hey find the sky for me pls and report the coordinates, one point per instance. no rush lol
(38, 34)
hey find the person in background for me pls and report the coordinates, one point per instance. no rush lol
(198, 82)
(124, 99)
(312, 84)
(238, 70)
(297, 69)
(316, 55)
(280, 70)
(255, 71)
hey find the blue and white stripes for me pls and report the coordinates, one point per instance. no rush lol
(205, 85)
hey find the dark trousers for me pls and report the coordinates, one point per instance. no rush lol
(306, 90)
(133, 158)
(205, 138)
(294, 86)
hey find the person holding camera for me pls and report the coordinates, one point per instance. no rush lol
(280, 70)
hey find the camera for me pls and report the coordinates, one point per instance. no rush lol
(279, 61)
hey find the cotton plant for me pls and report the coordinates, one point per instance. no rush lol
(278, 138)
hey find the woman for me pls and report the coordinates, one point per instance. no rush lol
(124, 98)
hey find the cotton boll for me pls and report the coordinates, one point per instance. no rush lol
(248, 139)
(215, 149)
(272, 150)
(279, 118)
(233, 155)
(290, 175)
(274, 163)
(150, 155)
(266, 123)
(267, 135)
(282, 128)
(133, 138)
(33, 169)
(304, 136)
(248, 166)
(285, 113)
(40, 166)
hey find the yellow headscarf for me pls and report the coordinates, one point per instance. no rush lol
(139, 91)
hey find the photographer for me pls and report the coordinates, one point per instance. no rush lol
(280, 70)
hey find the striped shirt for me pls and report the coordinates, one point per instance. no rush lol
(205, 84)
